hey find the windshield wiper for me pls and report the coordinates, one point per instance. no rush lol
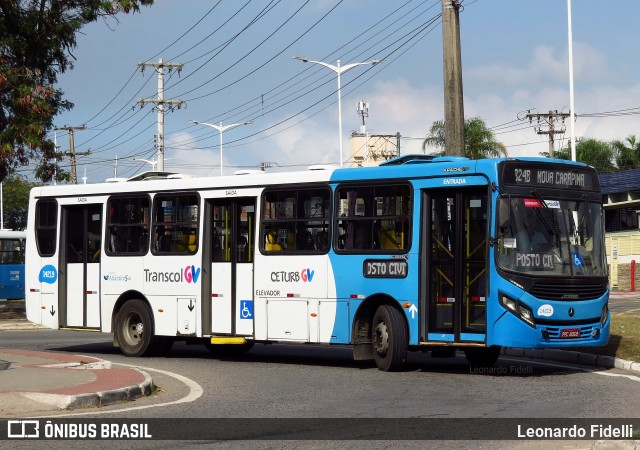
(583, 219)
(554, 229)
(537, 196)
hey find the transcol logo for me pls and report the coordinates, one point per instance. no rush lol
(189, 274)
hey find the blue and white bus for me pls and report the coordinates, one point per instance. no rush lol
(12, 264)
(418, 254)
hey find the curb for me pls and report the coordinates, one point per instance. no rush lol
(590, 359)
(95, 399)
(16, 325)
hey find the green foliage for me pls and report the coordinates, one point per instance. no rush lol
(15, 196)
(594, 152)
(36, 41)
(479, 141)
(627, 153)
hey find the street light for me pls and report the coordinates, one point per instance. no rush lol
(339, 70)
(220, 129)
(153, 162)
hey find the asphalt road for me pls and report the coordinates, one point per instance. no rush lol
(301, 381)
(627, 303)
(314, 381)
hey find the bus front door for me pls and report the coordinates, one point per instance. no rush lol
(229, 255)
(81, 237)
(455, 230)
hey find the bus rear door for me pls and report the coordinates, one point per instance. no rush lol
(229, 256)
(80, 243)
(455, 233)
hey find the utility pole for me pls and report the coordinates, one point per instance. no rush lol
(160, 102)
(453, 101)
(549, 119)
(72, 150)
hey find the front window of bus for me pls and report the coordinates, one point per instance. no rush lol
(546, 236)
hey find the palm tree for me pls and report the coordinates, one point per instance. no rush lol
(479, 141)
(596, 153)
(627, 156)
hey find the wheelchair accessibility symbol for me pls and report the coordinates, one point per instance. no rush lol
(246, 309)
(577, 260)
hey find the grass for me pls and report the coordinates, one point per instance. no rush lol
(624, 339)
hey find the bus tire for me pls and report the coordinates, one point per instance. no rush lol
(482, 356)
(134, 329)
(389, 339)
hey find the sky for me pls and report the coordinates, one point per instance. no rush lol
(238, 66)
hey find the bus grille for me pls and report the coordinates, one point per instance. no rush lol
(557, 291)
(553, 333)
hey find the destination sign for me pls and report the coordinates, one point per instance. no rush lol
(530, 175)
(385, 268)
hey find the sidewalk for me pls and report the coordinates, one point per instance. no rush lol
(623, 294)
(38, 382)
(35, 382)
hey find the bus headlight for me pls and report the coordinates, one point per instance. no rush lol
(518, 309)
(604, 315)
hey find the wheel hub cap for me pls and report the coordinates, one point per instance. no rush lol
(382, 339)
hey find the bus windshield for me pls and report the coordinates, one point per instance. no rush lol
(546, 236)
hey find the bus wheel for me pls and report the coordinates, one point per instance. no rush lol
(390, 339)
(134, 329)
(228, 349)
(482, 356)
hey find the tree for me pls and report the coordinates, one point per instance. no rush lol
(594, 152)
(627, 156)
(15, 201)
(479, 141)
(36, 41)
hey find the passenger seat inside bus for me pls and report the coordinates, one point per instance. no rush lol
(388, 240)
(271, 242)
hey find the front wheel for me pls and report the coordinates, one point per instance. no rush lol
(134, 329)
(482, 356)
(390, 340)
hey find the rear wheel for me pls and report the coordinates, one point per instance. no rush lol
(482, 356)
(134, 330)
(390, 340)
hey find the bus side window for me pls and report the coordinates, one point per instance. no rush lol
(127, 226)
(295, 221)
(46, 227)
(175, 223)
(373, 219)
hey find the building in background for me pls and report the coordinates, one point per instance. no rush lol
(370, 150)
(621, 201)
(365, 149)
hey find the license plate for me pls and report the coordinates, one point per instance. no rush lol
(568, 333)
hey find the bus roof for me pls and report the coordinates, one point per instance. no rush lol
(406, 166)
